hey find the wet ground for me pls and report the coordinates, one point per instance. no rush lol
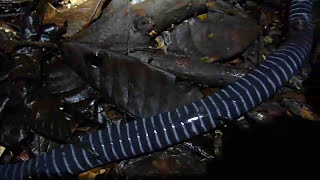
(49, 96)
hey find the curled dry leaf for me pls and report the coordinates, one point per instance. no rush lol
(79, 15)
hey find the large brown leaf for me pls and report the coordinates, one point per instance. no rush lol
(208, 37)
(213, 36)
(122, 25)
(139, 88)
(186, 68)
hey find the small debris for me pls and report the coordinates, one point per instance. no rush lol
(202, 17)
(306, 113)
(2, 149)
(210, 35)
(234, 62)
(218, 143)
(268, 39)
(210, 59)
(152, 33)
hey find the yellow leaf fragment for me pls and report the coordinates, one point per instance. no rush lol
(76, 2)
(210, 35)
(161, 44)
(306, 113)
(268, 39)
(91, 174)
(153, 32)
(236, 61)
(202, 17)
(210, 59)
(2, 149)
(102, 171)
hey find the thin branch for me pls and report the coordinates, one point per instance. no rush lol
(100, 3)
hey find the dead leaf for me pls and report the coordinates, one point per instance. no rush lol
(203, 17)
(306, 113)
(50, 11)
(136, 87)
(268, 39)
(213, 34)
(91, 174)
(113, 114)
(49, 119)
(2, 149)
(210, 59)
(78, 16)
(210, 35)
(161, 44)
(236, 61)
(295, 96)
(23, 155)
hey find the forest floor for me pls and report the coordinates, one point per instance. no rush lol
(188, 55)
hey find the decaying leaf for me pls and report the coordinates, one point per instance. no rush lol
(180, 160)
(90, 175)
(211, 74)
(235, 61)
(193, 39)
(77, 95)
(218, 143)
(13, 126)
(299, 97)
(268, 39)
(202, 17)
(79, 15)
(306, 113)
(139, 88)
(161, 44)
(49, 119)
(210, 59)
(213, 36)
(122, 25)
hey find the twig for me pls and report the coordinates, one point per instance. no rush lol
(35, 43)
(3, 77)
(10, 15)
(100, 3)
(14, 2)
(128, 25)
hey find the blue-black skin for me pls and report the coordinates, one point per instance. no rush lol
(166, 129)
